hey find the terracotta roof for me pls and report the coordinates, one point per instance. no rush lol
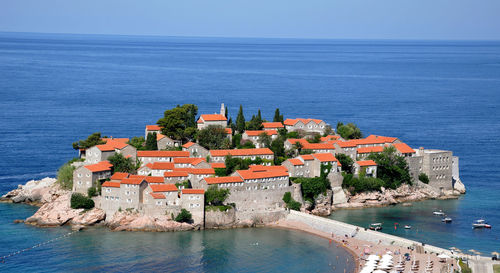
(403, 148)
(366, 163)
(381, 138)
(311, 146)
(157, 195)
(349, 143)
(133, 181)
(189, 144)
(229, 131)
(135, 176)
(193, 191)
(258, 132)
(195, 171)
(213, 117)
(163, 187)
(218, 165)
(105, 147)
(155, 179)
(162, 166)
(111, 184)
(175, 174)
(249, 174)
(99, 167)
(189, 160)
(292, 122)
(259, 168)
(241, 152)
(272, 125)
(225, 179)
(325, 157)
(374, 149)
(123, 139)
(296, 161)
(117, 144)
(119, 176)
(162, 154)
(329, 137)
(159, 136)
(153, 128)
(149, 166)
(307, 157)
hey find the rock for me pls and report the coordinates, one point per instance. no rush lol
(459, 186)
(37, 192)
(17, 221)
(407, 204)
(136, 222)
(90, 217)
(339, 196)
(220, 219)
(55, 213)
(77, 227)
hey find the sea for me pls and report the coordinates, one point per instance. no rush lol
(58, 88)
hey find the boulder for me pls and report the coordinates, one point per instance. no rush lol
(90, 217)
(459, 186)
(339, 196)
(136, 222)
(55, 213)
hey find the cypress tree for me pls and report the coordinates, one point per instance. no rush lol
(151, 142)
(277, 116)
(240, 121)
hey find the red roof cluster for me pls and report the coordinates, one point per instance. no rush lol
(242, 152)
(162, 154)
(224, 179)
(272, 125)
(212, 117)
(292, 122)
(258, 132)
(373, 149)
(99, 167)
(193, 191)
(364, 163)
(153, 128)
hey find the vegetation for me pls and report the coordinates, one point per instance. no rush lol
(234, 163)
(255, 123)
(361, 184)
(92, 140)
(312, 187)
(138, 143)
(184, 216)
(213, 137)
(236, 141)
(328, 130)
(346, 162)
(294, 134)
(65, 176)
(151, 143)
(91, 192)
(391, 168)
(278, 148)
(79, 201)
(265, 140)
(240, 121)
(215, 196)
(122, 164)
(219, 208)
(290, 202)
(185, 184)
(424, 178)
(496, 268)
(465, 268)
(349, 131)
(246, 145)
(179, 123)
(316, 138)
(277, 116)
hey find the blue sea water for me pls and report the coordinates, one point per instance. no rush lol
(56, 89)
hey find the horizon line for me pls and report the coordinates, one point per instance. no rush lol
(254, 37)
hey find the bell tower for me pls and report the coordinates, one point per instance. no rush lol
(223, 110)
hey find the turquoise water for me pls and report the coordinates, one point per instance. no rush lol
(55, 89)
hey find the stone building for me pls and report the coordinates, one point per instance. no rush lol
(158, 197)
(189, 162)
(313, 147)
(306, 125)
(163, 142)
(220, 155)
(195, 150)
(102, 152)
(254, 136)
(211, 120)
(363, 152)
(159, 168)
(175, 177)
(87, 176)
(151, 129)
(145, 169)
(196, 175)
(193, 200)
(438, 165)
(295, 167)
(159, 156)
(272, 126)
(368, 167)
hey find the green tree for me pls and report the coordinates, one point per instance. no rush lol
(391, 168)
(312, 187)
(122, 164)
(361, 184)
(247, 145)
(91, 192)
(151, 144)
(79, 201)
(328, 130)
(138, 143)
(236, 141)
(349, 131)
(179, 123)
(424, 178)
(92, 140)
(212, 137)
(264, 140)
(184, 216)
(240, 121)
(277, 116)
(290, 202)
(298, 147)
(346, 162)
(315, 139)
(255, 123)
(215, 196)
(278, 148)
(65, 176)
(287, 197)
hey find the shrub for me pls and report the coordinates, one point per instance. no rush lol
(361, 184)
(349, 131)
(424, 178)
(287, 197)
(312, 187)
(290, 203)
(79, 201)
(65, 176)
(215, 196)
(122, 164)
(184, 216)
(91, 192)
(346, 162)
(391, 168)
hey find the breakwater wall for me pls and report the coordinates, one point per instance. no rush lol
(341, 229)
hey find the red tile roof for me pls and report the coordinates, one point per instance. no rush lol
(366, 163)
(157, 195)
(374, 149)
(241, 152)
(296, 161)
(133, 181)
(311, 146)
(188, 160)
(329, 137)
(162, 154)
(153, 128)
(99, 167)
(307, 157)
(189, 144)
(111, 184)
(175, 174)
(163, 187)
(259, 168)
(115, 143)
(325, 157)
(258, 132)
(193, 191)
(162, 166)
(195, 171)
(229, 131)
(348, 144)
(272, 125)
(403, 148)
(381, 138)
(155, 179)
(105, 147)
(213, 117)
(159, 136)
(123, 139)
(225, 179)
(119, 176)
(292, 122)
(249, 174)
(218, 165)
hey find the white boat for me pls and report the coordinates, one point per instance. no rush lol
(439, 212)
(446, 220)
(376, 226)
(407, 227)
(481, 223)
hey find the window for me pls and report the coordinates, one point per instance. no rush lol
(79, 175)
(106, 198)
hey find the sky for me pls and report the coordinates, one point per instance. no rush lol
(330, 19)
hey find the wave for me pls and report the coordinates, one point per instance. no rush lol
(28, 175)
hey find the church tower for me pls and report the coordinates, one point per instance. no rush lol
(223, 110)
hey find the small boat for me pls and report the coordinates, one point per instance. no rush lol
(407, 227)
(446, 220)
(481, 223)
(376, 226)
(439, 212)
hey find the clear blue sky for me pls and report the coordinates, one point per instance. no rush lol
(338, 19)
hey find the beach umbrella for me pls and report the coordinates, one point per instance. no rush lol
(367, 250)
(495, 253)
(443, 256)
(379, 271)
